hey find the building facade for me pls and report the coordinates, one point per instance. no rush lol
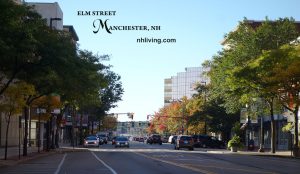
(184, 83)
(51, 12)
(132, 128)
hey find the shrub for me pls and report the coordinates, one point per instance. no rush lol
(235, 142)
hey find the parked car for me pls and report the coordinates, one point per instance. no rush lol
(91, 141)
(206, 141)
(184, 141)
(154, 139)
(141, 139)
(200, 140)
(165, 139)
(215, 143)
(173, 139)
(170, 139)
(122, 142)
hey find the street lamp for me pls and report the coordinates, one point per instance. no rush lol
(205, 122)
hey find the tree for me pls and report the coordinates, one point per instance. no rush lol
(277, 74)
(12, 104)
(209, 114)
(246, 44)
(19, 54)
(47, 103)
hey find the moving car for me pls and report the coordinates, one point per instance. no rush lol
(184, 141)
(91, 141)
(154, 139)
(121, 142)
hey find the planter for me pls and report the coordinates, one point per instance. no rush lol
(234, 149)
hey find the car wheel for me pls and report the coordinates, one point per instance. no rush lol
(191, 148)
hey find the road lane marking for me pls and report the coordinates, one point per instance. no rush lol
(60, 164)
(107, 166)
(176, 164)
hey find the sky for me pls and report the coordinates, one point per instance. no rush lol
(198, 26)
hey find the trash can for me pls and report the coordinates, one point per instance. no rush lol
(251, 145)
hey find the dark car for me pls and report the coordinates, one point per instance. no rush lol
(122, 142)
(154, 139)
(206, 141)
(201, 140)
(184, 141)
(174, 139)
(215, 143)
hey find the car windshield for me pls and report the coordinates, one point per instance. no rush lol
(185, 138)
(122, 139)
(91, 138)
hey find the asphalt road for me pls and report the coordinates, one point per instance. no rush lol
(142, 158)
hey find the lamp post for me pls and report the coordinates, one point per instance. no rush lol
(261, 145)
(248, 124)
(205, 126)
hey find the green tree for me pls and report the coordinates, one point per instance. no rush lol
(246, 44)
(276, 73)
(18, 41)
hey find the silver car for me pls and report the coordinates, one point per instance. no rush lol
(121, 142)
(91, 141)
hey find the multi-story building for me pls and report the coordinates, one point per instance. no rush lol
(184, 83)
(50, 11)
(132, 128)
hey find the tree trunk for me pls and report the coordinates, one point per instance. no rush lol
(80, 130)
(296, 138)
(6, 136)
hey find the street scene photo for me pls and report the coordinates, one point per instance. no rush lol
(149, 87)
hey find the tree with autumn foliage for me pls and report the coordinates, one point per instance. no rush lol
(12, 104)
(171, 119)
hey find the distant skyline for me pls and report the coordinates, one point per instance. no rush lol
(198, 27)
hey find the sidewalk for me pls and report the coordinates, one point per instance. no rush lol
(13, 156)
(279, 153)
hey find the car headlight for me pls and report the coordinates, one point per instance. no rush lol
(126, 143)
(118, 143)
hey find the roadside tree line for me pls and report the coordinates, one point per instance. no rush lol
(38, 63)
(258, 66)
